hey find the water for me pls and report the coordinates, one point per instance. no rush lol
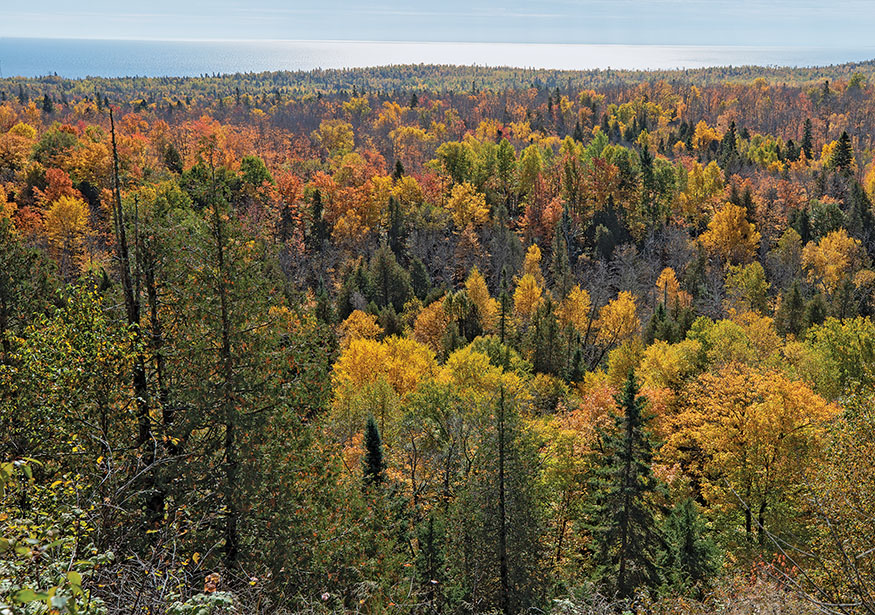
(117, 58)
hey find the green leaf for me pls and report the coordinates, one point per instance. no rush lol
(28, 595)
(74, 577)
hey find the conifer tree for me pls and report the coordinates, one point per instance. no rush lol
(628, 540)
(397, 232)
(560, 268)
(391, 281)
(692, 557)
(790, 315)
(373, 463)
(807, 141)
(319, 231)
(843, 156)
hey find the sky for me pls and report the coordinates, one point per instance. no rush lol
(805, 23)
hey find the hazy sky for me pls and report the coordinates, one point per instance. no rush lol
(836, 23)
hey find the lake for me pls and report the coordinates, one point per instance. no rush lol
(77, 58)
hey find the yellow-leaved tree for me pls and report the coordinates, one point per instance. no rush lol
(487, 307)
(575, 310)
(468, 206)
(668, 290)
(532, 265)
(359, 325)
(527, 297)
(730, 236)
(747, 438)
(831, 259)
(66, 225)
(372, 377)
(618, 320)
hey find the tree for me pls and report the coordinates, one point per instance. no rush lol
(319, 229)
(391, 281)
(66, 226)
(628, 542)
(498, 541)
(467, 206)
(692, 557)
(373, 464)
(730, 236)
(748, 438)
(25, 286)
(527, 297)
(842, 158)
(807, 143)
(831, 259)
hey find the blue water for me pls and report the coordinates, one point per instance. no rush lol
(74, 58)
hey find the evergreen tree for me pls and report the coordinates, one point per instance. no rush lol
(560, 268)
(419, 278)
(391, 281)
(842, 158)
(398, 173)
(172, 159)
(728, 149)
(397, 230)
(792, 151)
(692, 557)
(860, 221)
(319, 231)
(790, 315)
(373, 463)
(498, 542)
(807, 144)
(815, 310)
(628, 540)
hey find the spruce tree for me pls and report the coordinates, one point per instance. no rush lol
(692, 557)
(373, 463)
(842, 157)
(807, 141)
(419, 278)
(627, 537)
(397, 232)
(391, 280)
(319, 231)
(560, 267)
(790, 315)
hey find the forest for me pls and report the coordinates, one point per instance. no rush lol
(422, 340)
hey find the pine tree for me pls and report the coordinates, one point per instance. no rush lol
(373, 463)
(628, 540)
(728, 148)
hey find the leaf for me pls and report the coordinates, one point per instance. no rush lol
(28, 595)
(74, 577)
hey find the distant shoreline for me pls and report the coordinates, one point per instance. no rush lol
(119, 58)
